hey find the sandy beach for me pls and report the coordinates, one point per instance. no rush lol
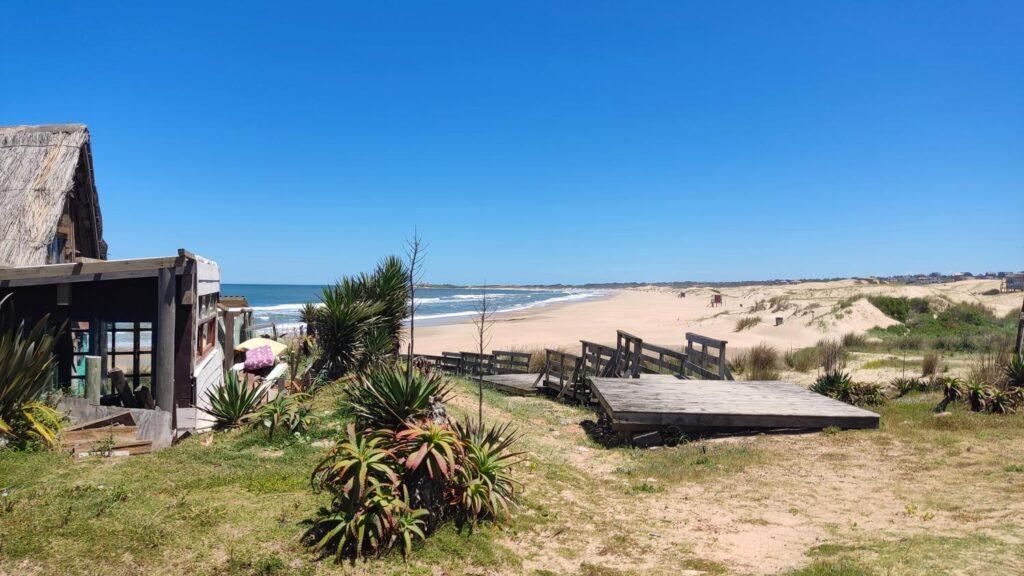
(809, 312)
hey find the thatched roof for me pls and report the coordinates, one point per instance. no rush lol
(38, 170)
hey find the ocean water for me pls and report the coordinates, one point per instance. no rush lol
(280, 303)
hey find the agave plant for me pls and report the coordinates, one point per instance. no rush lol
(1003, 401)
(484, 483)
(288, 411)
(431, 446)
(372, 524)
(977, 395)
(27, 364)
(835, 384)
(866, 394)
(233, 403)
(353, 463)
(386, 398)
(904, 386)
(1013, 372)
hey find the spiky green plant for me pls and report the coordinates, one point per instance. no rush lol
(834, 384)
(1013, 372)
(290, 412)
(904, 386)
(1001, 401)
(233, 403)
(378, 347)
(389, 285)
(27, 365)
(431, 446)
(977, 394)
(341, 325)
(484, 486)
(307, 315)
(353, 462)
(385, 397)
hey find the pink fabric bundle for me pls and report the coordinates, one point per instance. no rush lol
(259, 358)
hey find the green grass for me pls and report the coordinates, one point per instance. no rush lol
(236, 507)
(890, 362)
(747, 322)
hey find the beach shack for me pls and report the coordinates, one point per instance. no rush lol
(141, 334)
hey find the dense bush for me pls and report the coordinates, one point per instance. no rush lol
(27, 363)
(899, 308)
(961, 327)
(407, 468)
(359, 321)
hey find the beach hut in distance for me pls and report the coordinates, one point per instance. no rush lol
(141, 333)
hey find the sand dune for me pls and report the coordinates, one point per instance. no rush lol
(809, 312)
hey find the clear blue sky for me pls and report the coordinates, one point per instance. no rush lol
(541, 141)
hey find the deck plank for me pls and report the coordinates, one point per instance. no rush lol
(655, 401)
(520, 384)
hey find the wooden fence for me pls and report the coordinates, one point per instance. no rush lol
(506, 362)
(709, 361)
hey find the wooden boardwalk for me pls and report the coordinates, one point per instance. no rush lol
(519, 384)
(656, 401)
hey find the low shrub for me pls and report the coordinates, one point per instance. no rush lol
(747, 322)
(854, 340)
(802, 359)
(1013, 372)
(288, 412)
(840, 385)
(758, 363)
(831, 356)
(899, 308)
(929, 365)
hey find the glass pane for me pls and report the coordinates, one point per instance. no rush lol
(124, 325)
(145, 363)
(146, 325)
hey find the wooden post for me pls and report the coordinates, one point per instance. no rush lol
(163, 376)
(93, 379)
(1020, 330)
(229, 339)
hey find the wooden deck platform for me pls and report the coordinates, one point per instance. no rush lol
(655, 401)
(520, 384)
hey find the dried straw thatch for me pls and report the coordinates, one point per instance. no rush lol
(46, 171)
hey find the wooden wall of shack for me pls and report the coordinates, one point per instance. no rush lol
(123, 300)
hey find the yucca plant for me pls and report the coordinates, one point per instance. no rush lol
(233, 403)
(288, 411)
(952, 391)
(386, 398)
(341, 325)
(389, 285)
(485, 487)
(378, 347)
(27, 364)
(307, 315)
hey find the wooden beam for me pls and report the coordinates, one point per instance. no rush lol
(163, 381)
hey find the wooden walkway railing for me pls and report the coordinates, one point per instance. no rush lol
(507, 362)
(709, 361)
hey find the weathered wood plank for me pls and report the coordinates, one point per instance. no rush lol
(657, 401)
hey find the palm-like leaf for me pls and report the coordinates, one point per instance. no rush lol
(1013, 371)
(233, 403)
(341, 324)
(27, 363)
